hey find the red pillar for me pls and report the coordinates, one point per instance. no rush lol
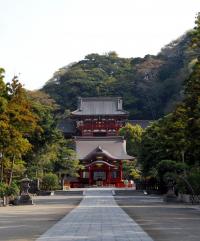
(120, 170)
(108, 175)
(80, 174)
(90, 176)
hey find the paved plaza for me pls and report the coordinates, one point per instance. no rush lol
(97, 218)
(27, 223)
(162, 221)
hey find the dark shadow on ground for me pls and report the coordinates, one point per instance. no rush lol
(163, 221)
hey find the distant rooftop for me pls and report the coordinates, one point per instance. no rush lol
(143, 123)
(100, 106)
(67, 126)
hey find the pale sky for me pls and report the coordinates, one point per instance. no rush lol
(37, 37)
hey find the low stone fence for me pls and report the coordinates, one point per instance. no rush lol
(187, 198)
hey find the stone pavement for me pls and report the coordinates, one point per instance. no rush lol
(97, 218)
(28, 222)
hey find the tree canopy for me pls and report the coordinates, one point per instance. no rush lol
(30, 141)
(175, 137)
(150, 86)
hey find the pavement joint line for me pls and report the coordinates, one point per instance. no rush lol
(97, 218)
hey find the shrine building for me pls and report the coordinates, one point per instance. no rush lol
(97, 142)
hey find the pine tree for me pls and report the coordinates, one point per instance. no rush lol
(192, 98)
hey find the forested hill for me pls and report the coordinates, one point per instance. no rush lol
(150, 86)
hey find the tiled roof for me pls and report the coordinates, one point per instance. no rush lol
(100, 106)
(67, 126)
(114, 147)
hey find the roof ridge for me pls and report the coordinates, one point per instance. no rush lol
(99, 137)
(100, 97)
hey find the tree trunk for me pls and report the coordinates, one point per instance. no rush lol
(5, 201)
(2, 168)
(11, 171)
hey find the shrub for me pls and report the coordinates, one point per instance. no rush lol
(189, 184)
(12, 190)
(3, 187)
(166, 166)
(7, 192)
(194, 181)
(50, 181)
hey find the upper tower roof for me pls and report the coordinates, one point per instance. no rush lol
(99, 106)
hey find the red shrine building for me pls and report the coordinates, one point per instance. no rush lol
(97, 143)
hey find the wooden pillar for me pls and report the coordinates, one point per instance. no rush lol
(81, 174)
(90, 176)
(120, 170)
(108, 175)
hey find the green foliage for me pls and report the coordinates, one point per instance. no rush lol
(195, 42)
(131, 170)
(150, 86)
(46, 136)
(67, 162)
(133, 136)
(17, 123)
(29, 138)
(194, 180)
(165, 139)
(166, 166)
(192, 98)
(3, 187)
(189, 184)
(12, 190)
(176, 136)
(7, 191)
(170, 168)
(50, 181)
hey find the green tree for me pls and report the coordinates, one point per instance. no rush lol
(67, 163)
(8, 191)
(45, 137)
(164, 139)
(17, 122)
(22, 123)
(50, 151)
(131, 170)
(195, 41)
(176, 136)
(133, 135)
(50, 181)
(192, 98)
(150, 86)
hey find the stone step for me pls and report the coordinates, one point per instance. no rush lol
(129, 192)
(69, 192)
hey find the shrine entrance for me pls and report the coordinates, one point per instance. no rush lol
(100, 172)
(102, 159)
(99, 175)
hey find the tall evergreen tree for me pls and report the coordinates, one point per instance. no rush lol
(192, 98)
(17, 122)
